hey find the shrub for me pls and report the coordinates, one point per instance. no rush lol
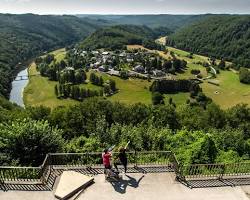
(244, 75)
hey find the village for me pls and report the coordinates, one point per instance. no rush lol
(124, 63)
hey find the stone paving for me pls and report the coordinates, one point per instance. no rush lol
(139, 186)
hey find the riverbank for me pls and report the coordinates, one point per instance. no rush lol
(18, 85)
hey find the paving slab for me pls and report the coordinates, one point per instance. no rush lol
(70, 183)
(138, 186)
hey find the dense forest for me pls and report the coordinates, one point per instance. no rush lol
(116, 37)
(173, 22)
(213, 135)
(219, 36)
(26, 36)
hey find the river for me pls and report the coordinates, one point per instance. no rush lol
(18, 85)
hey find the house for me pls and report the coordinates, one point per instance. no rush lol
(83, 53)
(113, 72)
(130, 60)
(101, 69)
(95, 52)
(105, 53)
(158, 73)
(97, 64)
(69, 69)
(123, 54)
(139, 69)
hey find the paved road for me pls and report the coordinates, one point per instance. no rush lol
(156, 186)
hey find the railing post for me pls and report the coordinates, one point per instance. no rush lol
(223, 167)
(135, 159)
(88, 163)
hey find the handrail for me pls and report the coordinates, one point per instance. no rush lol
(98, 153)
(13, 167)
(93, 159)
(87, 159)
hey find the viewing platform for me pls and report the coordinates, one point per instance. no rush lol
(150, 175)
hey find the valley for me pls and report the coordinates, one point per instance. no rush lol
(178, 83)
(40, 90)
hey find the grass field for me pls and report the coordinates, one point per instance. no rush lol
(40, 91)
(59, 54)
(230, 91)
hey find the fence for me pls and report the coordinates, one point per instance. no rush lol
(215, 171)
(20, 174)
(136, 159)
(82, 160)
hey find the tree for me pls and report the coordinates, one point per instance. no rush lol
(92, 78)
(203, 151)
(49, 58)
(29, 141)
(39, 112)
(80, 76)
(167, 65)
(157, 98)
(106, 89)
(244, 75)
(222, 64)
(62, 64)
(215, 116)
(56, 90)
(101, 81)
(112, 85)
(124, 74)
(228, 157)
(177, 64)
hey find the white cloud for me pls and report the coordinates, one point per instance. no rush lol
(17, 1)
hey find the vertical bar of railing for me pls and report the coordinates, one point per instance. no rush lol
(223, 170)
(135, 157)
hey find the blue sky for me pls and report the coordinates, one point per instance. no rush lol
(125, 6)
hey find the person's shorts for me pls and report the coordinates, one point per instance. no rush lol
(107, 166)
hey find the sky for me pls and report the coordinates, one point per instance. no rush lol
(125, 6)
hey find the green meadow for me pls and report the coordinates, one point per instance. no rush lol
(40, 91)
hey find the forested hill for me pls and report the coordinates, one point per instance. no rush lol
(25, 36)
(115, 37)
(226, 36)
(173, 22)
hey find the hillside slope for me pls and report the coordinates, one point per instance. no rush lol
(173, 22)
(25, 36)
(115, 37)
(222, 36)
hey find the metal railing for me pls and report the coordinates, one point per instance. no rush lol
(63, 161)
(95, 159)
(20, 174)
(215, 171)
(83, 160)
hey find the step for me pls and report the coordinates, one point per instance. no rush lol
(70, 183)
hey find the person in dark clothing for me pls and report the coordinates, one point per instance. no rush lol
(121, 159)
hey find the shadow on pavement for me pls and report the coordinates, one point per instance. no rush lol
(121, 186)
(232, 182)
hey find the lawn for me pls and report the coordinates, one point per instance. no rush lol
(178, 98)
(230, 91)
(40, 91)
(59, 54)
